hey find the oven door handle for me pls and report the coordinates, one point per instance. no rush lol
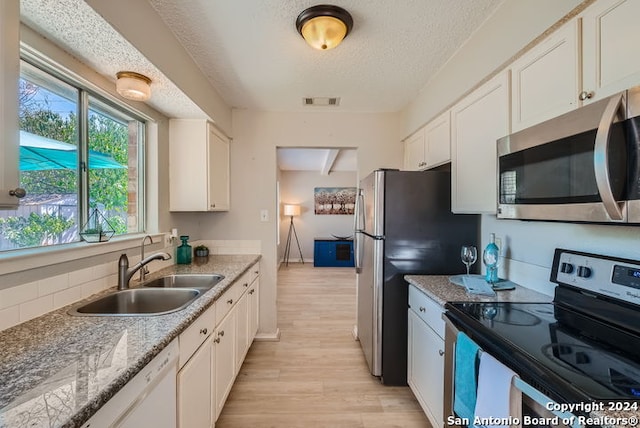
(601, 158)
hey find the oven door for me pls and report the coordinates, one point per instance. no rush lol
(535, 405)
(571, 168)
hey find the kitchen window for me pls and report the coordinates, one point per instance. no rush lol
(78, 152)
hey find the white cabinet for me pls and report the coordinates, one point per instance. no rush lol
(546, 80)
(414, 152)
(477, 121)
(242, 329)
(194, 380)
(224, 367)
(438, 141)
(254, 309)
(430, 146)
(425, 364)
(198, 166)
(9, 75)
(610, 32)
(195, 389)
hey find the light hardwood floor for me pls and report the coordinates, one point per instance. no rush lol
(316, 375)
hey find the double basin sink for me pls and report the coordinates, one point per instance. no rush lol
(157, 297)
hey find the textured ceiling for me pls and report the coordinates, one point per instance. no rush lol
(77, 28)
(251, 52)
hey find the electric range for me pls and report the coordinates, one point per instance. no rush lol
(583, 347)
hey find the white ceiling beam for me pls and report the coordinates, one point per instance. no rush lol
(329, 160)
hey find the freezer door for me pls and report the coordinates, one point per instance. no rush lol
(369, 307)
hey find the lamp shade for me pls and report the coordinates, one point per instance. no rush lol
(291, 210)
(133, 86)
(324, 26)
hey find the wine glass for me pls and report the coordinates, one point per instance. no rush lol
(469, 255)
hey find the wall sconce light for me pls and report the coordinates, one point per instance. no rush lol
(133, 86)
(324, 26)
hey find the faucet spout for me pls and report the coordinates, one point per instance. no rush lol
(125, 274)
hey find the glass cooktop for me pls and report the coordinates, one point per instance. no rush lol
(555, 349)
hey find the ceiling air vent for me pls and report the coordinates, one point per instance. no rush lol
(321, 101)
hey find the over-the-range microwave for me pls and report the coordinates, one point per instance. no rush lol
(582, 166)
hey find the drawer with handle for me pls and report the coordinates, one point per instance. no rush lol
(427, 309)
(191, 339)
(230, 297)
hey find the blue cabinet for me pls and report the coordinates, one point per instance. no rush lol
(331, 252)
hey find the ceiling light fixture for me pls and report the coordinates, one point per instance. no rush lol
(133, 86)
(324, 26)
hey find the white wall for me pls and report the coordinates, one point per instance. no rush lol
(296, 187)
(254, 172)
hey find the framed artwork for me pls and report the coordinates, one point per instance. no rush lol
(334, 200)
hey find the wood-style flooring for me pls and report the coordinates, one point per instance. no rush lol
(316, 375)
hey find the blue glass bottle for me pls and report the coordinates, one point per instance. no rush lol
(184, 252)
(490, 259)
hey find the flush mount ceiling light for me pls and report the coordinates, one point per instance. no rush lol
(324, 26)
(133, 86)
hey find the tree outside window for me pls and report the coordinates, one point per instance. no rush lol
(51, 167)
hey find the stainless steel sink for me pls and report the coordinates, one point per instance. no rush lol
(139, 302)
(198, 281)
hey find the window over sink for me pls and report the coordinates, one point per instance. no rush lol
(79, 151)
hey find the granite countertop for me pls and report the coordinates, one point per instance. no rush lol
(58, 370)
(439, 289)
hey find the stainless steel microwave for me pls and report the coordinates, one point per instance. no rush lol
(582, 166)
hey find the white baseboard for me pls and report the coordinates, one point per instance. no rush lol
(268, 337)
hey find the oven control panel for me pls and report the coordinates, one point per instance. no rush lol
(610, 276)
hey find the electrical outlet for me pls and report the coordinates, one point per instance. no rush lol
(264, 215)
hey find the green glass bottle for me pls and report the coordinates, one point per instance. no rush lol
(184, 252)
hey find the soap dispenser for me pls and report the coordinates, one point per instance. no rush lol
(490, 258)
(184, 252)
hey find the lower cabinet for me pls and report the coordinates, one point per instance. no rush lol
(225, 362)
(425, 364)
(195, 392)
(212, 351)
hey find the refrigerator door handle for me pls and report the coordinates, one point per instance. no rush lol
(359, 222)
(358, 251)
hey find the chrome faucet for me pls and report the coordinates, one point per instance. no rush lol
(125, 274)
(144, 271)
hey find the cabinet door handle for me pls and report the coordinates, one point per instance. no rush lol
(252, 291)
(246, 284)
(203, 330)
(217, 340)
(441, 352)
(256, 272)
(221, 333)
(230, 301)
(422, 309)
(585, 95)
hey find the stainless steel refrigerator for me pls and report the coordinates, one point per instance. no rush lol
(403, 225)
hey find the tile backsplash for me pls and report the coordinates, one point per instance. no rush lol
(27, 301)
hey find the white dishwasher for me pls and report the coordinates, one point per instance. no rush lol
(147, 400)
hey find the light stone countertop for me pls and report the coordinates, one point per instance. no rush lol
(439, 289)
(58, 370)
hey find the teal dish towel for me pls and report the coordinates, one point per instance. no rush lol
(465, 378)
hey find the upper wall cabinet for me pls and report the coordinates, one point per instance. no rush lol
(199, 166)
(414, 152)
(545, 81)
(9, 75)
(609, 48)
(430, 146)
(477, 121)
